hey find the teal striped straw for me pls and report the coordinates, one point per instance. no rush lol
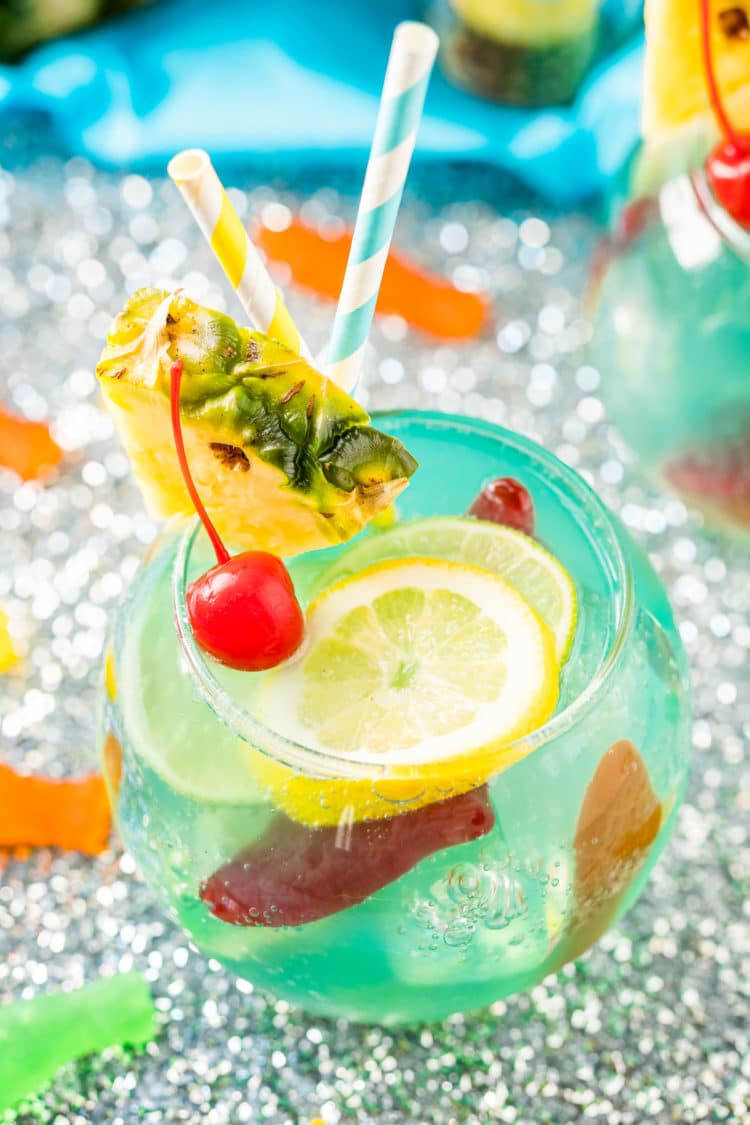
(412, 56)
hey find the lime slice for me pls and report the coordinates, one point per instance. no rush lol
(413, 662)
(171, 730)
(520, 561)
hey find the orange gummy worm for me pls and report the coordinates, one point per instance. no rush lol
(27, 447)
(619, 820)
(425, 300)
(42, 812)
(112, 765)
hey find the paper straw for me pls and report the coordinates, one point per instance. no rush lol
(202, 190)
(411, 60)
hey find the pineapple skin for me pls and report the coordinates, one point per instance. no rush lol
(284, 460)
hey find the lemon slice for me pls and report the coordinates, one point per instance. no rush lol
(526, 566)
(433, 667)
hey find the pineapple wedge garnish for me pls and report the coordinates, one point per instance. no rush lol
(284, 460)
(678, 125)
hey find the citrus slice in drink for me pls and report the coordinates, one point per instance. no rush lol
(165, 729)
(520, 561)
(425, 671)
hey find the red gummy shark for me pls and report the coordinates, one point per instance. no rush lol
(296, 874)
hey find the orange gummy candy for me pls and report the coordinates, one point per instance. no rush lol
(112, 765)
(619, 820)
(43, 812)
(27, 447)
(425, 300)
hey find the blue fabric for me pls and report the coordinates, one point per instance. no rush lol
(301, 78)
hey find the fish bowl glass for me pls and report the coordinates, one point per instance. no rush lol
(530, 54)
(671, 311)
(567, 833)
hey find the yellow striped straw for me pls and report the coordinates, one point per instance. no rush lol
(200, 187)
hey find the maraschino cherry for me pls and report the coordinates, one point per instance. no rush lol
(728, 166)
(243, 611)
(505, 501)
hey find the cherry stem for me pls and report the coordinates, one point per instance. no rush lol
(175, 374)
(713, 89)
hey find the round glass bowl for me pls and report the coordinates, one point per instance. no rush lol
(671, 295)
(530, 53)
(472, 896)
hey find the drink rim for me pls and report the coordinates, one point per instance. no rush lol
(559, 478)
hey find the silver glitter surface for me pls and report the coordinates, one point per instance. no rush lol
(653, 1024)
